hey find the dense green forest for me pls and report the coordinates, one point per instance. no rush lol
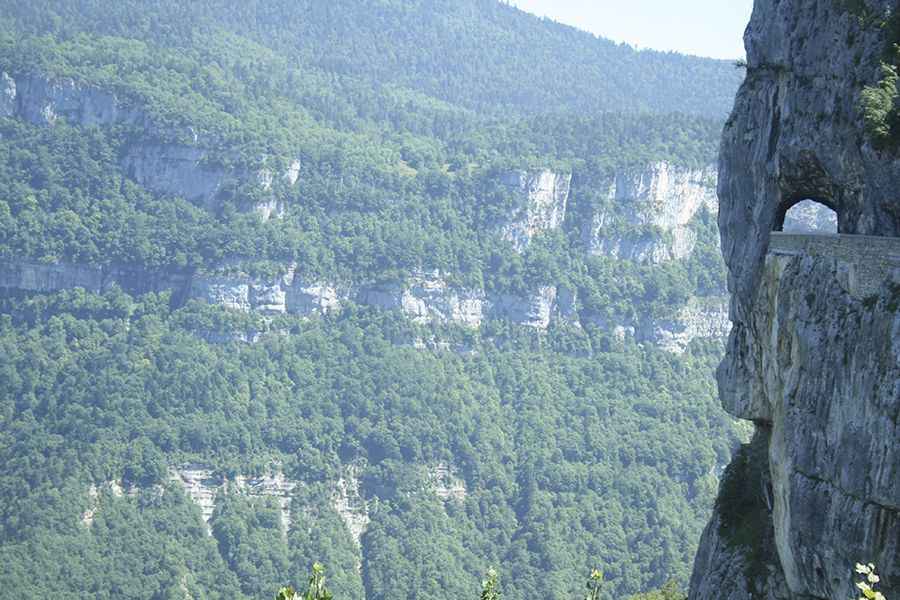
(478, 54)
(574, 447)
(569, 461)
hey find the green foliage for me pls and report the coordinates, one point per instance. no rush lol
(490, 587)
(878, 103)
(745, 522)
(405, 117)
(545, 441)
(869, 582)
(315, 590)
(857, 8)
(878, 106)
(669, 591)
(480, 54)
(594, 585)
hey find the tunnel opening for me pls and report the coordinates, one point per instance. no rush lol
(807, 216)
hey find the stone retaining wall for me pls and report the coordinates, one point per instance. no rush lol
(871, 259)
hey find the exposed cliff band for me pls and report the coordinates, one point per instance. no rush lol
(814, 356)
(190, 170)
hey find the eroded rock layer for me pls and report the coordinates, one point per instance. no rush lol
(814, 355)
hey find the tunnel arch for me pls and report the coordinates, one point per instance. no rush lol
(806, 214)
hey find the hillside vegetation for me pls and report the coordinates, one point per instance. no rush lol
(413, 453)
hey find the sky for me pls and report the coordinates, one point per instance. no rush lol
(701, 27)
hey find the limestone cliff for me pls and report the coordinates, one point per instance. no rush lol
(814, 354)
(543, 198)
(700, 318)
(809, 216)
(647, 212)
(662, 195)
(424, 298)
(203, 485)
(188, 169)
(38, 277)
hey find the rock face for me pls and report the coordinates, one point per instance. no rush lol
(202, 486)
(532, 311)
(705, 318)
(424, 298)
(647, 213)
(446, 484)
(43, 101)
(187, 170)
(350, 505)
(822, 374)
(813, 356)
(699, 318)
(177, 170)
(275, 207)
(430, 299)
(38, 277)
(809, 216)
(87, 517)
(310, 297)
(267, 296)
(8, 93)
(729, 564)
(544, 197)
(286, 293)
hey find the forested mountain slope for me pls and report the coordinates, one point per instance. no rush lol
(479, 54)
(285, 282)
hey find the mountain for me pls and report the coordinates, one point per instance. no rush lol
(482, 55)
(408, 288)
(814, 357)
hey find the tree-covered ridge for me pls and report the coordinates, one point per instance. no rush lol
(574, 446)
(566, 460)
(68, 198)
(388, 177)
(479, 54)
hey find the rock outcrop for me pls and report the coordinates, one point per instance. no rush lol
(424, 298)
(176, 170)
(446, 483)
(38, 277)
(431, 299)
(8, 94)
(189, 170)
(306, 297)
(43, 101)
(533, 310)
(267, 296)
(809, 216)
(647, 213)
(543, 198)
(350, 505)
(700, 318)
(283, 293)
(814, 355)
(202, 485)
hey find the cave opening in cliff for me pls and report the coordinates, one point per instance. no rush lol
(807, 215)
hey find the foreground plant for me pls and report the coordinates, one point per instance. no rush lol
(594, 585)
(490, 588)
(869, 582)
(316, 589)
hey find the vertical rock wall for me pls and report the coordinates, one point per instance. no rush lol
(809, 361)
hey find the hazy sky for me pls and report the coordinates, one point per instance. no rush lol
(701, 27)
